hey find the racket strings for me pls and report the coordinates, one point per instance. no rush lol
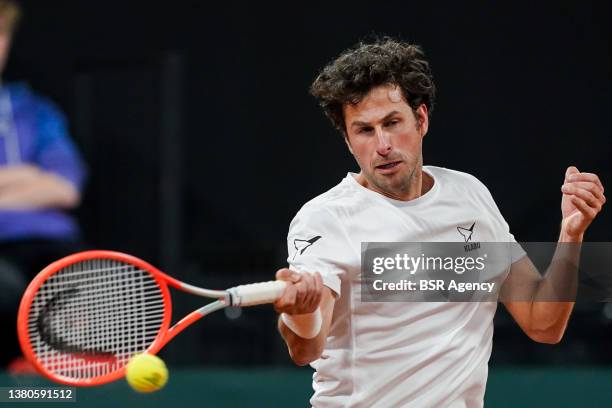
(88, 319)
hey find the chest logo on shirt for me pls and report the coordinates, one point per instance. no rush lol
(303, 244)
(466, 233)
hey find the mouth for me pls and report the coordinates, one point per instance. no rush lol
(388, 166)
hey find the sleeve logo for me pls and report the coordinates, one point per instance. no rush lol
(302, 245)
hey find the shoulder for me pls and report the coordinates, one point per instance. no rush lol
(326, 210)
(458, 179)
(470, 188)
(24, 98)
(329, 202)
(446, 174)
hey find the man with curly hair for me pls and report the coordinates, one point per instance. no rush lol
(380, 96)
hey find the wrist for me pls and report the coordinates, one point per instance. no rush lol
(564, 236)
(306, 325)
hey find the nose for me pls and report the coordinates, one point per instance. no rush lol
(383, 146)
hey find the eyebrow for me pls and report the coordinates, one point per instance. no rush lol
(360, 123)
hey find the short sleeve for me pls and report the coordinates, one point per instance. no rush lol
(503, 229)
(516, 251)
(55, 152)
(315, 243)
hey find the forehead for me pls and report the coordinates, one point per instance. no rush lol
(5, 27)
(376, 105)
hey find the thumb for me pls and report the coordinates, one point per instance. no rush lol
(570, 170)
(288, 275)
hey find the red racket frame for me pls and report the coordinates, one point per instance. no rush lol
(164, 335)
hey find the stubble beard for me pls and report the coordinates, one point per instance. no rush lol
(396, 185)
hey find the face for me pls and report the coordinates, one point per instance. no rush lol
(5, 42)
(386, 139)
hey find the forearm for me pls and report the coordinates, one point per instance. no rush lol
(44, 190)
(302, 351)
(14, 175)
(542, 305)
(553, 300)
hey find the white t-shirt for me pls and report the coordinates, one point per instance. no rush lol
(397, 354)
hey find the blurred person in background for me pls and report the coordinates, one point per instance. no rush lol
(41, 175)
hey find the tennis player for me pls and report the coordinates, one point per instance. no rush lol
(380, 96)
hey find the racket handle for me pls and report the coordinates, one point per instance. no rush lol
(257, 293)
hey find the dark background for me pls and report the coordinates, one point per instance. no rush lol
(203, 142)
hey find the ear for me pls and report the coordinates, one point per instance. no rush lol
(422, 116)
(348, 143)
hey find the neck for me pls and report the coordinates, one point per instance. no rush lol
(420, 183)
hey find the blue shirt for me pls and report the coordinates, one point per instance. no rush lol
(33, 131)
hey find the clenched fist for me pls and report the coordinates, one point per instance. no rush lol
(302, 294)
(583, 197)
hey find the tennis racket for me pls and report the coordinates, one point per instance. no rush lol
(84, 316)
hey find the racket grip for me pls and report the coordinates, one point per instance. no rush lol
(256, 293)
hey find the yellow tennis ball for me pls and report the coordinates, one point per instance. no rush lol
(146, 373)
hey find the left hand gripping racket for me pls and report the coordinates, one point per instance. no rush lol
(83, 317)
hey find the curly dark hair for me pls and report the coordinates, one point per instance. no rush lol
(350, 77)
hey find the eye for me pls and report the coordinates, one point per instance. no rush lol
(367, 129)
(392, 122)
